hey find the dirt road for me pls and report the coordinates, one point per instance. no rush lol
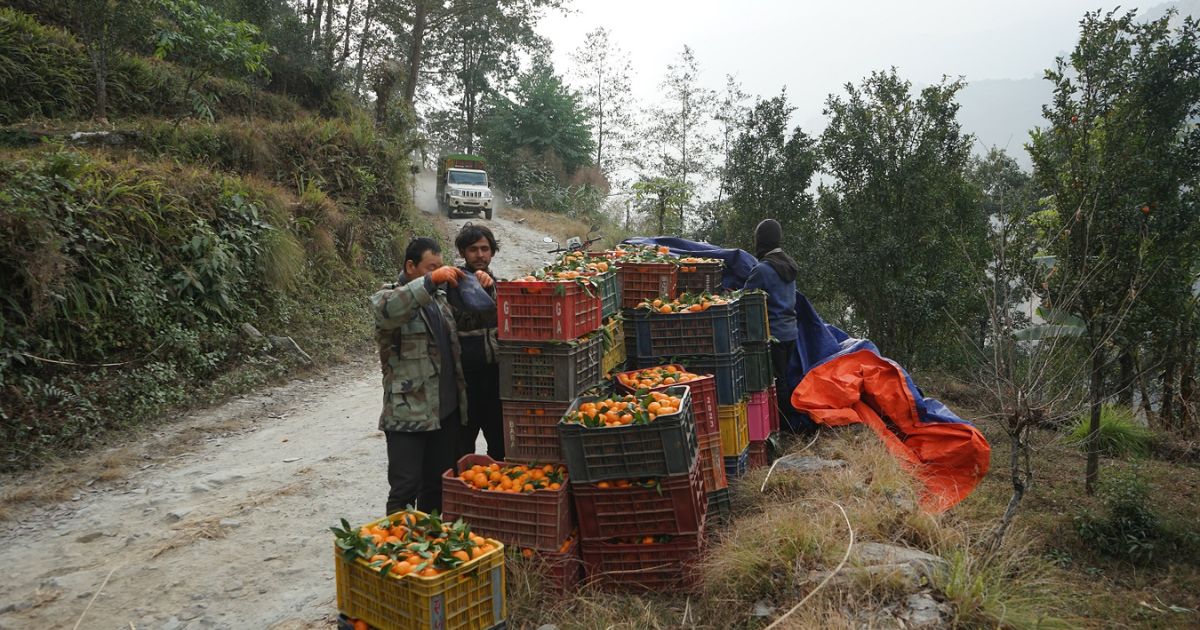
(234, 532)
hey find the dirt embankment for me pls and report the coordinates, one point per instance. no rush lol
(224, 521)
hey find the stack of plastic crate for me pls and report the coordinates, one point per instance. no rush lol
(640, 497)
(762, 406)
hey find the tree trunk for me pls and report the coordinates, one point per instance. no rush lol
(330, 37)
(346, 36)
(1166, 416)
(100, 67)
(362, 46)
(1021, 473)
(1093, 438)
(414, 53)
(1187, 386)
(315, 37)
(1125, 391)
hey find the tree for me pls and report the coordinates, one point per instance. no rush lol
(539, 135)
(679, 129)
(605, 71)
(731, 115)
(769, 171)
(1119, 157)
(905, 231)
(202, 41)
(104, 26)
(657, 195)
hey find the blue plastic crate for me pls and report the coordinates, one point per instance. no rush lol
(729, 370)
(735, 467)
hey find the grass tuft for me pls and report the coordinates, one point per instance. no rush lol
(1120, 433)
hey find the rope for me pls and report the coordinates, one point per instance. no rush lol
(93, 599)
(829, 577)
(98, 365)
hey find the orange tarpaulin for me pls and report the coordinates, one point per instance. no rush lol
(949, 458)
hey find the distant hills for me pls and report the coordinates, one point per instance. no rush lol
(1001, 112)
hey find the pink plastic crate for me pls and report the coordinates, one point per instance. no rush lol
(758, 414)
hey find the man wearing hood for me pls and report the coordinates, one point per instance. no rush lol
(776, 273)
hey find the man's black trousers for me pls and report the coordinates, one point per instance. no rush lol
(416, 462)
(483, 411)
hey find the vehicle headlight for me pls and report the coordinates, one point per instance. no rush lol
(487, 194)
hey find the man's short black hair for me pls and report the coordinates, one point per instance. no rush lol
(417, 248)
(470, 234)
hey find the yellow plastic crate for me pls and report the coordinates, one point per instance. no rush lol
(735, 430)
(471, 597)
(614, 356)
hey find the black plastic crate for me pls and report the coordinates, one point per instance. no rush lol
(666, 446)
(720, 506)
(752, 315)
(729, 370)
(711, 331)
(549, 371)
(759, 374)
(699, 277)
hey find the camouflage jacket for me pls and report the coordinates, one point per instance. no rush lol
(477, 332)
(409, 356)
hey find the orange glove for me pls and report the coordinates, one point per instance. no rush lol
(446, 275)
(485, 280)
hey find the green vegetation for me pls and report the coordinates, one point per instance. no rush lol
(129, 269)
(1120, 433)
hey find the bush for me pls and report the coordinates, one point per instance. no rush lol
(1129, 529)
(45, 73)
(1120, 434)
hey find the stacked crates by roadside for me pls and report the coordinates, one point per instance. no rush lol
(637, 486)
(552, 346)
(762, 409)
(384, 585)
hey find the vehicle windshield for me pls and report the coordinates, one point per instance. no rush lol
(469, 179)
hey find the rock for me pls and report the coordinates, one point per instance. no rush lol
(289, 345)
(178, 514)
(201, 486)
(91, 537)
(250, 331)
(288, 460)
(807, 464)
(762, 609)
(921, 610)
(171, 624)
(138, 491)
(547, 626)
(871, 553)
(229, 523)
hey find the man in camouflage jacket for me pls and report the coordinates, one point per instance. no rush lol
(424, 394)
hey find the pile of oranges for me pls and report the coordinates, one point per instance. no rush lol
(414, 544)
(617, 411)
(528, 552)
(651, 378)
(572, 266)
(694, 261)
(517, 478)
(620, 484)
(685, 303)
(640, 540)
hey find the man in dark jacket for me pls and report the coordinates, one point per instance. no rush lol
(477, 336)
(776, 274)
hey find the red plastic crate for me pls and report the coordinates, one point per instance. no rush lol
(656, 567)
(645, 281)
(704, 399)
(758, 414)
(561, 570)
(758, 454)
(546, 311)
(531, 431)
(712, 463)
(675, 506)
(539, 520)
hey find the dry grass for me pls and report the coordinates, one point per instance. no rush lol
(557, 226)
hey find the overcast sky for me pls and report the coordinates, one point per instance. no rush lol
(814, 48)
